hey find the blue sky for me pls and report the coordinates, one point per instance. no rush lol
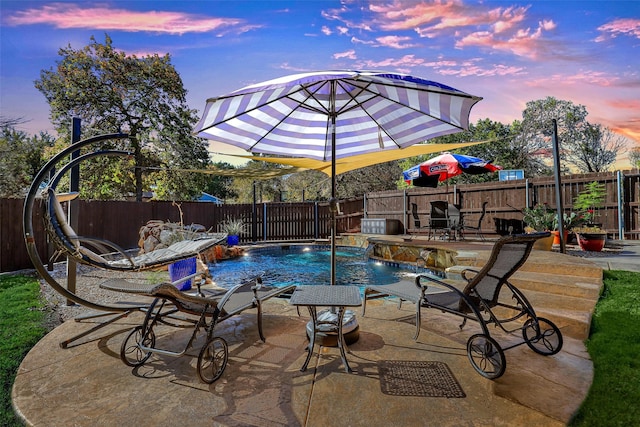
(508, 52)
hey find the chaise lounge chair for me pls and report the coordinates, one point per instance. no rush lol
(140, 343)
(488, 298)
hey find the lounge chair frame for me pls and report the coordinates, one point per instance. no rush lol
(485, 301)
(95, 252)
(168, 301)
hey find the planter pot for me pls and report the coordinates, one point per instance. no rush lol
(233, 240)
(544, 244)
(556, 236)
(593, 242)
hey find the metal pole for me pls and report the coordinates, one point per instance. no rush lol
(559, 207)
(620, 185)
(72, 213)
(254, 216)
(332, 202)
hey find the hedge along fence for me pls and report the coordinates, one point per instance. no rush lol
(120, 221)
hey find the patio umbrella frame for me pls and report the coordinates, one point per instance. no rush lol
(381, 110)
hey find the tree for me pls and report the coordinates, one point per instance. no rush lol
(379, 177)
(634, 157)
(596, 149)
(144, 97)
(220, 186)
(307, 185)
(588, 147)
(536, 128)
(21, 157)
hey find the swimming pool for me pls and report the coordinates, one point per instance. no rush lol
(309, 265)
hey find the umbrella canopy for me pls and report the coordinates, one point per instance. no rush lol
(334, 114)
(445, 166)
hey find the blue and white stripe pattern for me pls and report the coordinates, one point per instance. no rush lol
(373, 111)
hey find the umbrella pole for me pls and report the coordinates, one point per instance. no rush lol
(333, 202)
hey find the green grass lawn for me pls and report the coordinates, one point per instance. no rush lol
(21, 327)
(614, 346)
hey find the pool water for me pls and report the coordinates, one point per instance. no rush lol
(308, 265)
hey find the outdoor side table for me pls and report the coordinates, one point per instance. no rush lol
(326, 296)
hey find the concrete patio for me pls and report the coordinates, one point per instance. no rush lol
(397, 381)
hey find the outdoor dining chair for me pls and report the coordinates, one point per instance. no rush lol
(478, 226)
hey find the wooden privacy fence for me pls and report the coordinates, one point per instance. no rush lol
(619, 215)
(120, 222)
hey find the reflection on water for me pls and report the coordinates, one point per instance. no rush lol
(299, 265)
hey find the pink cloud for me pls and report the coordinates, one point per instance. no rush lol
(625, 27)
(596, 78)
(406, 62)
(625, 104)
(395, 42)
(467, 70)
(524, 42)
(349, 54)
(63, 15)
(433, 17)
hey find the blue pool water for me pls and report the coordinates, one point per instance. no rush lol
(308, 265)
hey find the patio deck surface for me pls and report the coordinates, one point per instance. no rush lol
(397, 381)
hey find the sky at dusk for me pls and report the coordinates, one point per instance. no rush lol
(508, 52)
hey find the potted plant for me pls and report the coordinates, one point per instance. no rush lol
(540, 218)
(590, 235)
(233, 228)
(569, 220)
(588, 201)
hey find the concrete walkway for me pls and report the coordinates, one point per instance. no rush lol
(397, 381)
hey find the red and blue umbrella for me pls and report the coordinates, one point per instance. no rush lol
(445, 166)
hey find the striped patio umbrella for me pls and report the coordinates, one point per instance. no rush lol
(335, 114)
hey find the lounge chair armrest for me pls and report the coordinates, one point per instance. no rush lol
(434, 281)
(466, 271)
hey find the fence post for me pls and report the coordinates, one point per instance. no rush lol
(620, 192)
(559, 207)
(404, 210)
(264, 222)
(364, 204)
(72, 212)
(316, 221)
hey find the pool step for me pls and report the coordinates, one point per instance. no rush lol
(546, 261)
(555, 284)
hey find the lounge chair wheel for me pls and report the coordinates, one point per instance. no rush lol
(212, 360)
(486, 356)
(542, 336)
(131, 353)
